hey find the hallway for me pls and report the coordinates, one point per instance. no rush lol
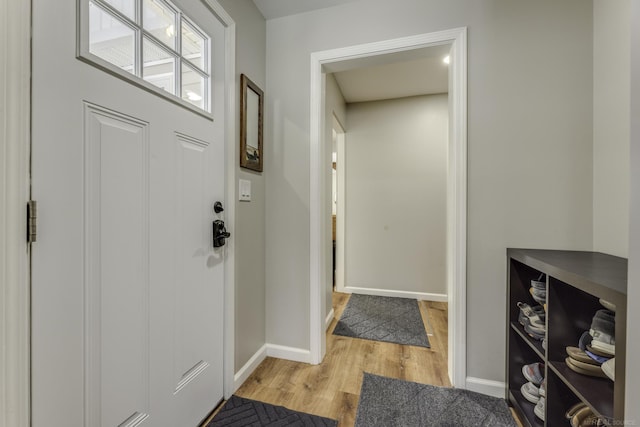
(332, 389)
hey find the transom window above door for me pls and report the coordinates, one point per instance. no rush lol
(151, 43)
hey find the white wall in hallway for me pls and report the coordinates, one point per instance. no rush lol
(396, 190)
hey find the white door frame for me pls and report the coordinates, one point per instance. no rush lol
(456, 187)
(15, 140)
(15, 317)
(341, 213)
(230, 194)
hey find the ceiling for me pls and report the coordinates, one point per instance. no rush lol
(397, 75)
(422, 73)
(272, 9)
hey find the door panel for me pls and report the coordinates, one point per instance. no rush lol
(193, 356)
(116, 266)
(190, 167)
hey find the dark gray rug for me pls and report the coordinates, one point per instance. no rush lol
(241, 412)
(395, 320)
(387, 402)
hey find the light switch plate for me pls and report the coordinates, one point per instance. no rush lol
(244, 190)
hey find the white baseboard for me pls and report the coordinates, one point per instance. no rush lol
(271, 350)
(423, 296)
(241, 376)
(488, 387)
(288, 353)
(329, 319)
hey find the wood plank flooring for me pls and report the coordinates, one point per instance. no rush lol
(332, 389)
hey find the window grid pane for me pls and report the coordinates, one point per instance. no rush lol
(159, 66)
(193, 87)
(160, 20)
(111, 39)
(126, 7)
(193, 45)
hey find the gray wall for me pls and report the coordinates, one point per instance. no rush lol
(611, 126)
(249, 233)
(396, 194)
(334, 105)
(632, 396)
(530, 159)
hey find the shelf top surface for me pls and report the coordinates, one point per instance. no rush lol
(594, 267)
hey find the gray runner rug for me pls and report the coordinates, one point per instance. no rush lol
(395, 320)
(238, 412)
(388, 402)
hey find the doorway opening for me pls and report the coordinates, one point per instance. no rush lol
(320, 264)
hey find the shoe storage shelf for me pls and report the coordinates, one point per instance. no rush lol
(575, 284)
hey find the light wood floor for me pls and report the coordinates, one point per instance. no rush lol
(332, 389)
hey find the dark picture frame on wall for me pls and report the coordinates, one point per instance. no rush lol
(251, 123)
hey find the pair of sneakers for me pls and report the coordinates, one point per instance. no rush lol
(580, 415)
(533, 319)
(539, 410)
(535, 389)
(603, 331)
(584, 361)
(538, 290)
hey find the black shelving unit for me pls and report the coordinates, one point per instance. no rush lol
(575, 281)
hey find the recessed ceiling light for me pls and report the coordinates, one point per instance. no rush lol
(446, 59)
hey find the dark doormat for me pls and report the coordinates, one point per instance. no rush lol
(240, 412)
(395, 320)
(388, 402)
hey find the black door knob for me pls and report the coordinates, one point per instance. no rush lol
(220, 233)
(217, 207)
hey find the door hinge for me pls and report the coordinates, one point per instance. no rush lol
(32, 221)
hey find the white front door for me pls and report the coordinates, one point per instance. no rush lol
(127, 288)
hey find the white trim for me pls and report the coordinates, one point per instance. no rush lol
(341, 214)
(489, 387)
(15, 67)
(288, 353)
(317, 259)
(329, 319)
(241, 376)
(230, 194)
(457, 211)
(422, 296)
(457, 191)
